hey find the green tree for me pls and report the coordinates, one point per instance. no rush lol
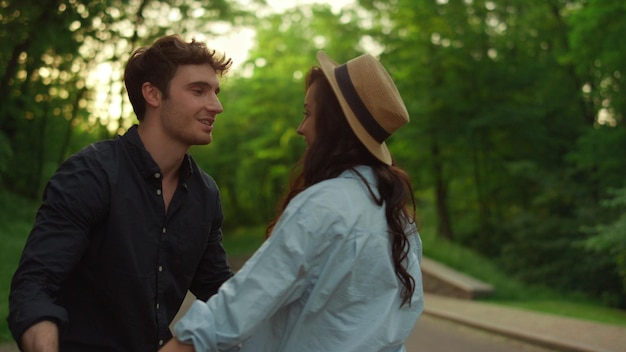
(611, 238)
(256, 144)
(499, 96)
(599, 57)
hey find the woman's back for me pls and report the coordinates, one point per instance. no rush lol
(349, 296)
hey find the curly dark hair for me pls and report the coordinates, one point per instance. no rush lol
(336, 149)
(158, 63)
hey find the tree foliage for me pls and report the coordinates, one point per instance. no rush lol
(257, 144)
(609, 238)
(514, 120)
(47, 91)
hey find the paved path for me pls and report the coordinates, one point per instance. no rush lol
(554, 332)
(432, 334)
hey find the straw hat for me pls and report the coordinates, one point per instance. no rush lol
(368, 98)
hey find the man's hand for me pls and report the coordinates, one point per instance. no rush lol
(41, 337)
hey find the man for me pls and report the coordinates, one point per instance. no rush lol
(128, 225)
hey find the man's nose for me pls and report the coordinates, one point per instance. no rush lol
(214, 105)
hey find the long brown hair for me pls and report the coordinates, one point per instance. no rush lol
(336, 149)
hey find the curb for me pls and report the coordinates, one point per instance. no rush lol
(533, 338)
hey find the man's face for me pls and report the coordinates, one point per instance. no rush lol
(188, 113)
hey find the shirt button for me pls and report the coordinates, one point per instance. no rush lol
(160, 342)
(157, 306)
(164, 230)
(160, 268)
(157, 175)
(158, 192)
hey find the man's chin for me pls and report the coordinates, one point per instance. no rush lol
(204, 141)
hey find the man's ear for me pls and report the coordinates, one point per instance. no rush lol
(151, 94)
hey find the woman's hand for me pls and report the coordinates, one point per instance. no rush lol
(174, 345)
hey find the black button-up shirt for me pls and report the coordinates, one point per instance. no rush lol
(106, 262)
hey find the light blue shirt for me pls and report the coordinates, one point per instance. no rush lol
(324, 281)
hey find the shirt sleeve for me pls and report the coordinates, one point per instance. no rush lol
(272, 278)
(213, 269)
(73, 201)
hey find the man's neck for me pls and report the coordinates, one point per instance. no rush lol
(166, 152)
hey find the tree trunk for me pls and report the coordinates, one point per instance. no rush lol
(444, 228)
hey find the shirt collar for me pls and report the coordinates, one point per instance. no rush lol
(367, 173)
(364, 170)
(143, 160)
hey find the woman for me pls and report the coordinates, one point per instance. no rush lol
(340, 269)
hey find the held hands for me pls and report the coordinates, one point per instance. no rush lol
(174, 345)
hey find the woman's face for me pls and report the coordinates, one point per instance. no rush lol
(307, 126)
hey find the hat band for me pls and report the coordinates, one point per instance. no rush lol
(358, 107)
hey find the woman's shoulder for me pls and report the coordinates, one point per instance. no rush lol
(334, 191)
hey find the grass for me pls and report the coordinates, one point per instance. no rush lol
(242, 242)
(16, 218)
(579, 309)
(17, 215)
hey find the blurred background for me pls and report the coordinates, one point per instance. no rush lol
(517, 140)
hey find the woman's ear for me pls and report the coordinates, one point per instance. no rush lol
(151, 94)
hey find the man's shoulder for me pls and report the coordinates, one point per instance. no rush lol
(100, 150)
(103, 146)
(100, 155)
